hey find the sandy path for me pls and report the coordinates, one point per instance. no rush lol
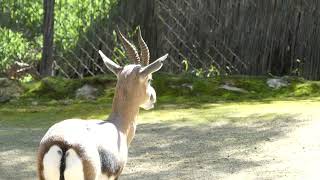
(287, 146)
(280, 149)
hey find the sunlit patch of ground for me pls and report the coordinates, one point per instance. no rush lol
(256, 140)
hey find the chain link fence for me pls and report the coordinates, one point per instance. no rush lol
(210, 38)
(242, 36)
(204, 37)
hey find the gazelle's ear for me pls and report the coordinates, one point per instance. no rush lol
(112, 66)
(153, 67)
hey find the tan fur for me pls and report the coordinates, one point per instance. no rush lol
(129, 95)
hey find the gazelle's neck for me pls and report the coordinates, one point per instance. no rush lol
(124, 114)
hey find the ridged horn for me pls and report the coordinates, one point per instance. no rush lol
(131, 50)
(145, 54)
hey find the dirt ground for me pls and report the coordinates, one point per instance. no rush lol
(285, 146)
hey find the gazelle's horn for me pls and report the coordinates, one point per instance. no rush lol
(131, 50)
(145, 54)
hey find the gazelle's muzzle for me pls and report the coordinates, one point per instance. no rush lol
(151, 100)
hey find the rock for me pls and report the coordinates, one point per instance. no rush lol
(4, 99)
(34, 103)
(232, 88)
(9, 89)
(87, 92)
(182, 86)
(66, 102)
(190, 86)
(277, 83)
(4, 82)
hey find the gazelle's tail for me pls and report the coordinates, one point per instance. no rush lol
(62, 164)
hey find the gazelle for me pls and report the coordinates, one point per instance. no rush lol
(78, 149)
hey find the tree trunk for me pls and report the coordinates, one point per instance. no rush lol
(46, 66)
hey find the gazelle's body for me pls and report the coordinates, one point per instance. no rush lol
(96, 150)
(67, 141)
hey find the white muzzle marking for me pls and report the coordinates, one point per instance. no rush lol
(152, 99)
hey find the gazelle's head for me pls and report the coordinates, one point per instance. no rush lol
(134, 80)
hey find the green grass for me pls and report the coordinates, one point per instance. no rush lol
(52, 100)
(179, 89)
(44, 115)
(60, 88)
(172, 89)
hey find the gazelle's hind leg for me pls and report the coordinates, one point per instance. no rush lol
(51, 163)
(74, 167)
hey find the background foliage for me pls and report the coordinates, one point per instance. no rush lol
(21, 26)
(206, 38)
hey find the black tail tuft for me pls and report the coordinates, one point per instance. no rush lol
(63, 163)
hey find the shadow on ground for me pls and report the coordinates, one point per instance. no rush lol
(18, 148)
(163, 150)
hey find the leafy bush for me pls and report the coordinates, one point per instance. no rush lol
(21, 27)
(74, 17)
(14, 47)
(306, 89)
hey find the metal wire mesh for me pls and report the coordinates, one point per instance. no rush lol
(205, 37)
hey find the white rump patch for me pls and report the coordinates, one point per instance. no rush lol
(74, 167)
(51, 163)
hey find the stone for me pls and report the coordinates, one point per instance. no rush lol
(277, 83)
(189, 86)
(183, 86)
(4, 82)
(233, 88)
(34, 103)
(66, 102)
(9, 89)
(4, 99)
(87, 92)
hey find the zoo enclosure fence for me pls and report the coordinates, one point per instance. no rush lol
(204, 37)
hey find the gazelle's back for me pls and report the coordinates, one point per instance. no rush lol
(74, 147)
